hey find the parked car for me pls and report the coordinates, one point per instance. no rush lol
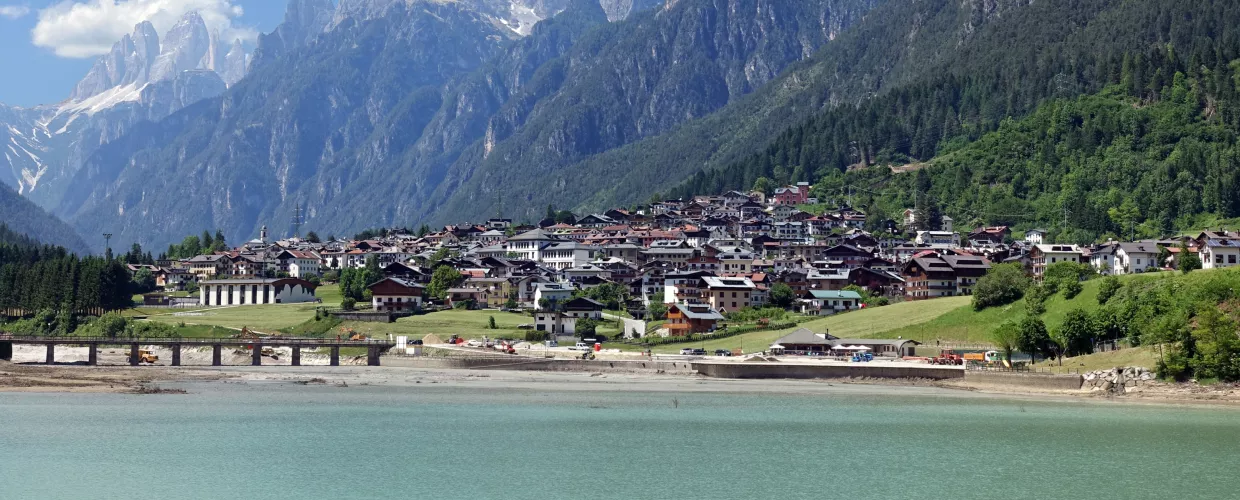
(473, 343)
(723, 352)
(698, 351)
(686, 351)
(581, 346)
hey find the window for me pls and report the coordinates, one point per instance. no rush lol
(1231, 259)
(1218, 259)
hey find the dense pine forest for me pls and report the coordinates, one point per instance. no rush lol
(1083, 138)
(51, 281)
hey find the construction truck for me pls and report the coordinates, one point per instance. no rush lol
(144, 356)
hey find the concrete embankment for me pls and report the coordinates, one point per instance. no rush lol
(811, 371)
(547, 365)
(1040, 381)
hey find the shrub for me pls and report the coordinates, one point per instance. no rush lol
(1002, 285)
(1107, 289)
(749, 314)
(658, 311)
(1035, 300)
(536, 336)
(1071, 289)
(110, 325)
(348, 303)
(586, 327)
(782, 296)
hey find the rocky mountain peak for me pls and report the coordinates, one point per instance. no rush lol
(303, 21)
(184, 47)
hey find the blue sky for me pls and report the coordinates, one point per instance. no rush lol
(42, 68)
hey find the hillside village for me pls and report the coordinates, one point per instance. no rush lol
(701, 258)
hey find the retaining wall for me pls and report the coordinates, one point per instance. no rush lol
(1032, 380)
(790, 370)
(536, 364)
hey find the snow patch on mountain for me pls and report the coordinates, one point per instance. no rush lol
(102, 101)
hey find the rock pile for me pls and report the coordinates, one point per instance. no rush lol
(1118, 380)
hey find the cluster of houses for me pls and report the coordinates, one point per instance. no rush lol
(703, 258)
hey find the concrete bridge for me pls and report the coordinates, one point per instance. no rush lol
(373, 347)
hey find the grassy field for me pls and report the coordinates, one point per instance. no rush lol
(947, 319)
(467, 324)
(264, 318)
(868, 323)
(1138, 356)
(329, 294)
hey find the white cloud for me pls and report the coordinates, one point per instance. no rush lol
(14, 11)
(76, 28)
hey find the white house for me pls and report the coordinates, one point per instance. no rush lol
(822, 302)
(299, 263)
(1135, 257)
(396, 295)
(1219, 249)
(1041, 256)
(255, 291)
(938, 239)
(558, 292)
(728, 294)
(1035, 236)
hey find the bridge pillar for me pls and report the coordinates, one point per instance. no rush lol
(256, 357)
(372, 356)
(51, 353)
(215, 355)
(92, 354)
(296, 356)
(6, 351)
(335, 355)
(133, 355)
(176, 354)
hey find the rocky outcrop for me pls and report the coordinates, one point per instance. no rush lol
(1120, 380)
(304, 20)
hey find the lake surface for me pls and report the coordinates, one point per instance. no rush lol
(268, 441)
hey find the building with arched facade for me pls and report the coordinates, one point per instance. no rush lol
(255, 291)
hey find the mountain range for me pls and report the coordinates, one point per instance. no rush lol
(142, 79)
(401, 112)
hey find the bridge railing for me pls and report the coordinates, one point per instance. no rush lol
(193, 340)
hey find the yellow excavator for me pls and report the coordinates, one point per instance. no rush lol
(350, 335)
(144, 356)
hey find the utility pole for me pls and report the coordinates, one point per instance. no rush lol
(107, 241)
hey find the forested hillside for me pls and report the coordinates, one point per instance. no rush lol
(1159, 137)
(21, 216)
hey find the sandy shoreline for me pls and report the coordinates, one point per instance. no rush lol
(86, 379)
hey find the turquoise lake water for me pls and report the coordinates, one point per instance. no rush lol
(268, 441)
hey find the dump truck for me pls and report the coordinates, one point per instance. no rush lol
(144, 356)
